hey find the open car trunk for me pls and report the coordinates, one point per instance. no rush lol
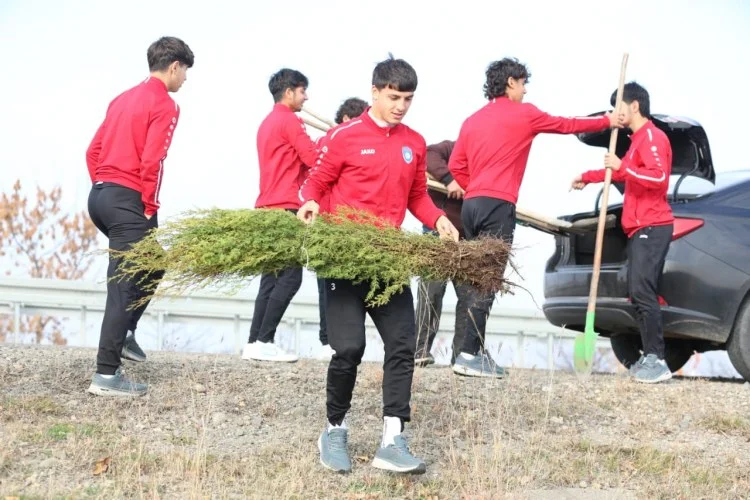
(568, 270)
(575, 246)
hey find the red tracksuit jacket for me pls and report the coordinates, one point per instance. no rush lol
(284, 148)
(645, 170)
(130, 146)
(490, 155)
(373, 168)
(325, 200)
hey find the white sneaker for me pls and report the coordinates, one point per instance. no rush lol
(247, 350)
(325, 352)
(267, 351)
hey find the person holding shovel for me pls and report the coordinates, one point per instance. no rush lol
(488, 162)
(646, 218)
(376, 164)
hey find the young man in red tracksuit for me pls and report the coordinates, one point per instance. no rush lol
(284, 148)
(126, 165)
(377, 164)
(350, 108)
(488, 162)
(646, 218)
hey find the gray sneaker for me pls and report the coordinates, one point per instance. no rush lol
(396, 457)
(481, 365)
(652, 370)
(131, 350)
(634, 367)
(334, 453)
(117, 385)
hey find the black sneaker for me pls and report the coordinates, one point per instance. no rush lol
(131, 350)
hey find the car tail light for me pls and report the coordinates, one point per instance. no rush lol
(662, 300)
(683, 226)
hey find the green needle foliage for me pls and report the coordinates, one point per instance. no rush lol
(224, 248)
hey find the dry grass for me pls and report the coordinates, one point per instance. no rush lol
(214, 426)
(728, 424)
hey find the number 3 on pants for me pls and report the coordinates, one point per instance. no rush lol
(333, 286)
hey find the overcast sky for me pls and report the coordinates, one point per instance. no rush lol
(64, 61)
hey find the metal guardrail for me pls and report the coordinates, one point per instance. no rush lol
(26, 296)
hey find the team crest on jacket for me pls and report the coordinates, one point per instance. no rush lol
(407, 154)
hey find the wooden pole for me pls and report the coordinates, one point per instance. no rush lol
(316, 125)
(318, 117)
(605, 200)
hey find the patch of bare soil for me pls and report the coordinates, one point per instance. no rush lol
(220, 427)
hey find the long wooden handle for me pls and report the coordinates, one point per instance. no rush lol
(605, 197)
(318, 116)
(316, 125)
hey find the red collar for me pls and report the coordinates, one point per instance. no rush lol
(152, 80)
(641, 131)
(281, 107)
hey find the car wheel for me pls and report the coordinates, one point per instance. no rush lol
(627, 349)
(678, 353)
(738, 346)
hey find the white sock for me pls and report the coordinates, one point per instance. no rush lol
(391, 429)
(342, 426)
(106, 376)
(467, 356)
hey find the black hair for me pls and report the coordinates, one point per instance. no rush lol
(352, 107)
(167, 50)
(633, 91)
(396, 74)
(284, 79)
(498, 73)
